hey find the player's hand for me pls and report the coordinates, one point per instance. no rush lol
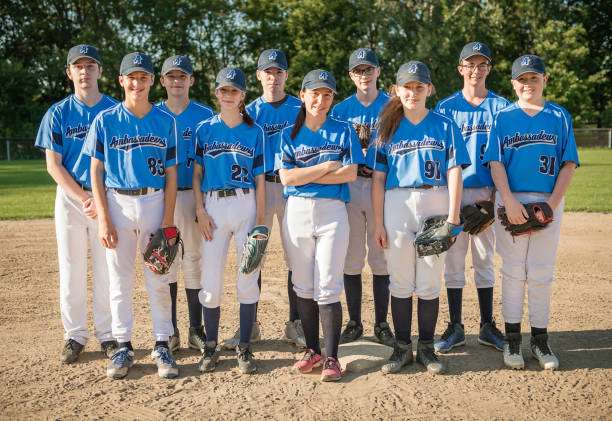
(206, 225)
(516, 212)
(107, 234)
(89, 208)
(380, 236)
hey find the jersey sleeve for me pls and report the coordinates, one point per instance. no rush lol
(199, 140)
(353, 153)
(570, 151)
(457, 154)
(173, 155)
(95, 139)
(50, 132)
(287, 160)
(259, 158)
(493, 151)
(378, 157)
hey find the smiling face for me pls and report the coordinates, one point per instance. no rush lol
(530, 86)
(177, 83)
(413, 95)
(84, 73)
(229, 98)
(136, 85)
(365, 76)
(474, 70)
(317, 101)
(272, 80)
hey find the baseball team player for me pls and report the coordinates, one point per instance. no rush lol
(177, 78)
(417, 162)
(61, 134)
(362, 109)
(532, 154)
(230, 201)
(472, 108)
(133, 149)
(319, 157)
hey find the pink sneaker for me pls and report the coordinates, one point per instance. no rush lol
(309, 361)
(331, 370)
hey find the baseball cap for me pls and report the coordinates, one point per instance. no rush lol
(178, 62)
(136, 62)
(231, 76)
(83, 51)
(319, 78)
(272, 58)
(363, 56)
(413, 71)
(527, 63)
(475, 49)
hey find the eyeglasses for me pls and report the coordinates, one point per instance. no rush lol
(471, 67)
(368, 71)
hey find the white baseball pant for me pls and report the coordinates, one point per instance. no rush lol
(275, 205)
(405, 210)
(528, 261)
(135, 218)
(361, 221)
(233, 216)
(316, 239)
(483, 249)
(73, 231)
(184, 218)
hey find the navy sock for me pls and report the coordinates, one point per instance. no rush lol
(309, 315)
(512, 328)
(485, 300)
(127, 345)
(380, 290)
(161, 343)
(401, 311)
(173, 292)
(211, 323)
(257, 303)
(331, 320)
(293, 312)
(455, 304)
(427, 311)
(352, 289)
(194, 306)
(247, 318)
(538, 330)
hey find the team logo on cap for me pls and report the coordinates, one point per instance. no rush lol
(137, 59)
(177, 61)
(361, 54)
(413, 68)
(526, 61)
(323, 76)
(83, 49)
(272, 56)
(477, 47)
(231, 74)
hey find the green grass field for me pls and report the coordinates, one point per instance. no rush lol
(27, 191)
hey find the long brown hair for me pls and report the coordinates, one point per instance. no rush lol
(299, 121)
(390, 118)
(245, 115)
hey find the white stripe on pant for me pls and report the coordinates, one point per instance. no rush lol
(184, 218)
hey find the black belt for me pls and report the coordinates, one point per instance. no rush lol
(184, 188)
(136, 192)
(424, 187)
(273, 178)
(227, 192)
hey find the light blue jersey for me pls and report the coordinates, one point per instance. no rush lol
(354, 112)
(334, 141)
(475, 124)
(273, 118)
(230, 157)
(418, 155)
(186, 123)
(533, 149)
(63, 130)
(135, 151)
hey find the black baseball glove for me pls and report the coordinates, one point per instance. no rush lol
(540, 215)
(436, 236)
(159, 253)
(478, 217)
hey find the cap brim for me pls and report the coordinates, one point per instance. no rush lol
(136, 69)
(176, 68)
(84, 56)
(269, 65)
(475, 54)
(318, 85)
(527, 71)
(360, 62)
(404, 80)
(232, 84)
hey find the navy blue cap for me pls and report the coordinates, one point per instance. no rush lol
(475, 49)
(178, 62)
(83, 51)
(319, 79)
(272, 58)
(527, 63)
(363, 56)
(136, 62)
(413, 71)
(231, 76)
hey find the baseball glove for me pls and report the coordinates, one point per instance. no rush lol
(159, 254)
(436, 236)
(363, 133)
(254, 249)
(540, 215)
(477, 217)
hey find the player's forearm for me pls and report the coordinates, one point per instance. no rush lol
(301, 176)
(197, 191)
(561, 185)
(378, 197)
(500, 178)
(98, 190)
(455, 191)
(260, 199)
(346, 174)
(60, 175)
(169, 197)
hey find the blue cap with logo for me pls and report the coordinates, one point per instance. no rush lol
(413, 71)
(363, 56)
(231, 76)
(475, 49)
(319, 78)
(272, 58)
(527, 63)
(178, 62)
(136, 62)
(83, 51)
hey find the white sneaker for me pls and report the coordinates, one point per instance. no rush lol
(542, 352)
(513, 354)
(295, 333)
(233, 342)
(166, 366)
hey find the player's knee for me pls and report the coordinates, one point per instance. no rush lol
(209, 299)
(428, 290)
(454, 281)
(514, 273)
(540, 275)
(401, 289)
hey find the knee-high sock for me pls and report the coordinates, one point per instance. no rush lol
(485, 299)
(173, 293)
(380, 289)
(257, 303)
(427, 311)
(401, 311)
(352, 289)
(309, 315)
(455, 304)
(194, 307)
(293, 312)
(247, 318)
(331, 320)
(211, 323)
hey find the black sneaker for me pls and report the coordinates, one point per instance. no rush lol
(541, 351)
(402, 356)
(108, 348)
(351, 332)
(427, 356)
(246, 363)
(210, 356)
(197, 338)
(383, 334)
(70, 351)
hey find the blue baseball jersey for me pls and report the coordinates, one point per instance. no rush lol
(335, 140)
(63, 130)
(135, 151)
(186, 123)
(230, 157)
(420, 154)
(273, 118)
(532, 148)
(354, 112)
(475, 124)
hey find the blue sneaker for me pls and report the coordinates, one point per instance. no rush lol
(491, 336)
(120, 363)
(166, 366)
(453, 336)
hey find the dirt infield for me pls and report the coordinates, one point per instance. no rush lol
(33, 384)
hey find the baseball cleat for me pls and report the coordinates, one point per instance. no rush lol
(166, 366)
(120, 363)
(232, 343)
(542, 352)
(210, 356)
(174, 343)
(331, 370)
(452, 337)
(246, 362)
(70, 351)
(513, 355)
(428, 358)
(351, 332)
(197, 338)
(402, 356)
(295, 333)
(309, 361)
(109, 348)
(383, 334)
(491, 336)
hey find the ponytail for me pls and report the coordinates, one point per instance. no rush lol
(299, 121)
(245, 115)
(389, 119)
